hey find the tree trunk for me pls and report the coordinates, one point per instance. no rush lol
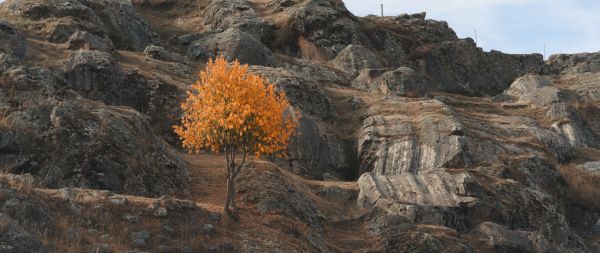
(229, 194)
(230, 200)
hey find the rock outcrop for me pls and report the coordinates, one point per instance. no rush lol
(221, 15)
(88, 41)
(574, 63)
(14, 238)
(113, 20)
(461, 67)
(444, 147)
(403, 81)
(160, 53)
(355, 58)
(12, 42)
(233, 44)
(64, 139)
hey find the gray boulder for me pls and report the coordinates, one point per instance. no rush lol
(14, 238)
(400, 82)
(63, 139)
(233, 44)
(324, 27)
(278, 195)
(395, 144)
(160, 53)
(434, 189)
(87, 41)
(411, 28)
(94, 74)
(107, 19)
(12, 42)
(221, 15)
(573, 63)
(535, 90)
(461, 67)
(568, 122)
(72, 143)
(540, 92)
(355, 58)
(187, 39)
(502, 239)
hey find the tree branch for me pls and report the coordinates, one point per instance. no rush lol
(243, 164)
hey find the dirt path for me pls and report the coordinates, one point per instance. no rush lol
(345, 227)
(207, 178)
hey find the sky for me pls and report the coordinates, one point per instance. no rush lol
(511, 26)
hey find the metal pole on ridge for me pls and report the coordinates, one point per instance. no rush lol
(544, 51)
(381, 10)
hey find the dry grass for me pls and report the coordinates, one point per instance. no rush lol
(583, 186)
(22, 183)
(310, 51)
(88, 221)
(8, 88)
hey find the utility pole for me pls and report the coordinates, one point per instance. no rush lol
(544, 51)
(476, 42)
(381, 10)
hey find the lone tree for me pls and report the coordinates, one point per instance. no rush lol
(229, 109)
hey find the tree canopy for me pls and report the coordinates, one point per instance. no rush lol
(229, 108)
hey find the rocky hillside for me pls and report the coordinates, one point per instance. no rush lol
(411, 139)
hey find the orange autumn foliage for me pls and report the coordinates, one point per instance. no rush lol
(229, 108)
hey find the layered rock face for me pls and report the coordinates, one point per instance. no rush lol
(64, 139)
(408, 145)
(58, 20)
(449, 147)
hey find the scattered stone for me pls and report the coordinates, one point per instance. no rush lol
(66, 193)
(160, 53)
(187, 39)
(102, 248)
(356, 103)
(214, 217)
(140, 239)
(88, 41)
(186, 250)
(117, 201)
(165, 249)
(208, 229)
(592, 167)
(187, 204)
(168, 229)
(106, 238)
(160, 212)
(131, 218)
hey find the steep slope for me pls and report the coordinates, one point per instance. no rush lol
(411, 139)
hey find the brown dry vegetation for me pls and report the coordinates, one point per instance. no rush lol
(583, 186)
(86, 220)
(310, 51)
